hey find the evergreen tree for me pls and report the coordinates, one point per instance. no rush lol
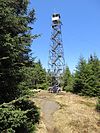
(94, 76)
(49, 78)
(87, 77)
(79, 77)
(67, 80)
(34, 77)
(15, 41)
(39, 74)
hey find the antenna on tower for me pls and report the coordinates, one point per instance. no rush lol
(56, 54)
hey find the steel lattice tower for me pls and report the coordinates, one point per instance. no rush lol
(56, 54)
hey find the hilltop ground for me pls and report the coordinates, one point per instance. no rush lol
(67, 113)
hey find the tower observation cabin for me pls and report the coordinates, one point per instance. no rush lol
(56, 19)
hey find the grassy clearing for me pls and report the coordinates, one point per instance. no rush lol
(77, 114)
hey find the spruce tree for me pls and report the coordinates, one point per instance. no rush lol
(94, 76)
(87, 77)
(80, 75)
(67, 80)
(15, 41)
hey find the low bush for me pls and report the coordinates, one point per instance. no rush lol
(42, 86)
(18, 116)
(98, 105)
(68, 88)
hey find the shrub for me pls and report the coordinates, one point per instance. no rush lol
(42, 86)
(98, 105)
(68, 88)
(18, 116)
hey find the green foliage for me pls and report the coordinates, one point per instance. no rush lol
(87, 77)
(33, 78)
(49, 78)
(42, 86)
(67, 78)
(39, 76)
(18, 116)
(15, 41)
(68, 88)
(98, 104)
(80, 75)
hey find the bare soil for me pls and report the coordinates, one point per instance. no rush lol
(67, 113)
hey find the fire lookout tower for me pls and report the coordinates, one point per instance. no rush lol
(56, 55)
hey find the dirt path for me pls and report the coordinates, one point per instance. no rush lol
(48, 107)
(67, 113)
